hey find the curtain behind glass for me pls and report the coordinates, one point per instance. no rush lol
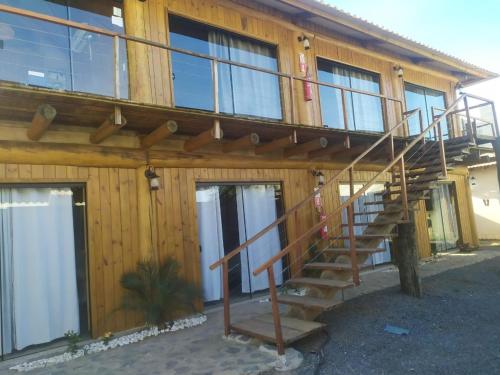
(211, 240)
(364, 111)
(40, 256)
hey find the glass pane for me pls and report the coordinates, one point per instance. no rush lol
(436, 99)
(34, 52)
(415, 98)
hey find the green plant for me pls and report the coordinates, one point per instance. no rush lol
(158, 291)
(73, 341)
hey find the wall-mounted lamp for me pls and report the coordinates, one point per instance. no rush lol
(459, 86)
(305, 41)
(320, 175)
(154, 179)
(399, 70)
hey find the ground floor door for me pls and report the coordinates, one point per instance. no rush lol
(43, 292)
(359, 207)
(442, 220)
(228, 215)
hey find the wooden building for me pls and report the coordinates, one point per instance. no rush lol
(241, 108)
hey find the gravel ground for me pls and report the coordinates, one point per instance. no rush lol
(454, 329)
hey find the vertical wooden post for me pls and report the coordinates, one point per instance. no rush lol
(276, 311)
(215, 78)
(352, 237)
(442, 152)
(344, 109)
(407, 258)
(404, 194)
(385, 115)
(292, 100)
(298, 251)
(225, 286)
(469, 124)
(116, 43)
(421, 123)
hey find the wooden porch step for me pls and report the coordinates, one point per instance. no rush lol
(329, 266)
(347, 251)
(262, 328)
(307, 301)
(320, 283)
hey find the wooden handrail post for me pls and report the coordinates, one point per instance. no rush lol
(442, 152)
(225, 282)
(344, 109)
(273, 294)
(404, 193)
(469, 124)
(352, 237)
(421, 123)
(116, 53)
(298, 251)
(292, 100)
(385, 115)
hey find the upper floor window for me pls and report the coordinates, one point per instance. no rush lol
(426, 99)
(46, 54)
(364, 111)
(242, 91)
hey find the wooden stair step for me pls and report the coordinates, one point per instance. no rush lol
(424, 171)
(307, 301)
(414, 189)
(321, 283)
(363, 237)
(393, 201)
(372, 223)
(379, 212)
(262, 328)
(329, 266)
(417, 180)
(347, 251)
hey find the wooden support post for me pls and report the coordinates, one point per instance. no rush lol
(163, 131)
(110, 126)
(225, 286)
(327, 151)
(407, 258)
(208, 136)
(44, 115)
(277, 144)
(276, 311)
(304, 148)
(243, 143)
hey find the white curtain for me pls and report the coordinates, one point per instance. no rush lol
(245, 91)
(211, 240)
(38, 271)
(256, 210)
(367, 109)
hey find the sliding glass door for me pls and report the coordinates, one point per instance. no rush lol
(442, 220)
(228, 215)
(426, 99)
(364, 111)
(242, 91)
(43, 291)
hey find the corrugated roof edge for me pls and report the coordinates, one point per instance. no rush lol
(339, 15)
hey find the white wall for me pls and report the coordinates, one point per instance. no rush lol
(486, 188)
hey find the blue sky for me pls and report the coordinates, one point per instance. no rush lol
(466, 29)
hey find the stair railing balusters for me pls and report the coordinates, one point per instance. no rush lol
(404, 193)
(273, 294)
(225, 283)
(352, 237)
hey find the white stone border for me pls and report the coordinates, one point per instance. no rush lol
(99, 346)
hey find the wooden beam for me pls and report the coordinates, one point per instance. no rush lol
(327, 151)
(304, 148)
(162, 132)
(44, 115)
(243, 143)
(277, 144)
(108, 127)
(205, 138)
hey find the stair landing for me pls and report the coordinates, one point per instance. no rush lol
(262, 328)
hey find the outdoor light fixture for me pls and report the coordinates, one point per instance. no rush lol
(320, 175)
(399, 70)
(305, 41)
(154, 179)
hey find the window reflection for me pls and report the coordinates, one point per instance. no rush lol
(44, 54)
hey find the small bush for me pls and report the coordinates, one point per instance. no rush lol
(157, 291)
(73, 341)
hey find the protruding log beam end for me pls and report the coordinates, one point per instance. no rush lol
(107, 129)
(246, 142)
(277, 144)
(213, 134)
(162, 132)
(43, 117)
(304, 148)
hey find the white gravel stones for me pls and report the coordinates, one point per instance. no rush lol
(291, 360)
(99, 346)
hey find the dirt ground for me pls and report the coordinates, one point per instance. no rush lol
(454, 329)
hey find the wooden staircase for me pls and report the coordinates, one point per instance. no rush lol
(416, 170)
